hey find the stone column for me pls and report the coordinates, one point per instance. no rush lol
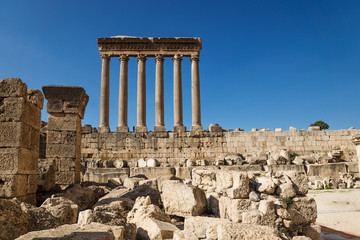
(356, 141)
(141, 95)
(123, 94)
(20, 119)
(105, 92)
(178, 110)
(159, 94)
(195, 94)
(66, 106)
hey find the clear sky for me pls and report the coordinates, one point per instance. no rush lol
(264, 64)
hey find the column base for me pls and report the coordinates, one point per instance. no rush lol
(103, 129)
(159, 129)
(140, 129)
(122, 129)
(179, 129)
(197, 128)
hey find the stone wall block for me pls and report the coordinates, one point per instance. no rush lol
(13, 185)
(18, 161)
(64, 122)
(66, 178)
(32, 116)
(60, 150)
(12, 87)
(35, 97)
(15, 135)
(11, 109)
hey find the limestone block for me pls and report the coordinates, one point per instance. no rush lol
(224, 180)
(152, 162)
(132, 182)
(154, 229)
(152, 172)
(265, 185)
(303, 211)
(12, 87)
(252, 217)
(12, 109)
(184, 234)
(84, 197)
(206, 177)
(241, 187)
(191, 203)
(313, 128)
(31, 184)
(203, 227)
(183, 172)
(286, 190)
(74, 99)
(233, 209)
(119, 163)
(66, 178)
(313, 231)
(13, 185)
(76, 231)
(268, 210)
(280, 168)
(141, 163)
(14, 134)
(300, 181)
(46, 175)
(246, 231)
(60, 150)
(63, 209)
(13, 221)
(64, 122)
(324, 170)
(214, 127)
(85, 217)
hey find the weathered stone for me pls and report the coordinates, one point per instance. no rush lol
(143, 209)
(46, 175)
(141, 163)
(232, 209)
(286, 190)
(191, 203)
(80, 232)
(265, 185)
(132, 182)
(268, 210)
(154, 229)
(214, 127)
(12, 87)
(120, 163)
(61, 208)
(203, 227)
(83, 197)
(246, 231)
(13, 220)
(253, 196)
(312, 231)
(85, 217)
(152, 162)
(303, 211)
(252, 217)
(240, 187)
(300, 181)
(152, 172)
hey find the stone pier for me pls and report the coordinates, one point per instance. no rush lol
(20, 119)
(356, 141)
(66, 106)
(143, 48)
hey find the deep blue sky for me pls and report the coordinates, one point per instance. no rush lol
(264, 64)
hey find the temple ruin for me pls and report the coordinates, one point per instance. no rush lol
(142, 48)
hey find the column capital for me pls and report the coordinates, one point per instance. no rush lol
(195, 57)
(159, 58)
(124, 58)
(105, 57)
(141, 57)
(177, 57)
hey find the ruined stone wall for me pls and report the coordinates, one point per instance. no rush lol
(170, 147)
(20, 117)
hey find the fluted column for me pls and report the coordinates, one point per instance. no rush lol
(123, 94)
(195, 94)
(104, 96)
(159, 94)
(141, 95)
(178, 109)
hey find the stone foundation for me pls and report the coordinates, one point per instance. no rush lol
(171, 148)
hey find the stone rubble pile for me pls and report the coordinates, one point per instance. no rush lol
(213, 204)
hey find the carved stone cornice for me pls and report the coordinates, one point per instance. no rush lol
(124, 58)
(141, 57)
(115, 46)
(159, 58)
(194, 57)
(177, 58)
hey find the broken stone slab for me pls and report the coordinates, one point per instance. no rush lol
(132, 182)
(203, 227)
(231, 230)
(265, 185)
(120, 163)
(214, 127)
(75, 231)
(182, 200)
(233, 209)
(151, 228)
(62, 208)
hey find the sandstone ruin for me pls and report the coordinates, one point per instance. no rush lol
(91, 183)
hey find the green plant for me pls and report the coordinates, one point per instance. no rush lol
(214, 177)
(287, 200)
(328, 187)
(320, 124)
(293, 155)
(283, 231)
(319, 188)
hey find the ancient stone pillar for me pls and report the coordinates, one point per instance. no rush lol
(141, 95)
(20, 120)
(123, 94)
(66, 106)
(195, 94)
(356, 141)
(159, 94)
(105, 94)
(178, 110)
